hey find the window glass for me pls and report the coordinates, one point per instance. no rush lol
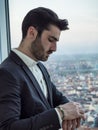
(74, 67)
(4, 30)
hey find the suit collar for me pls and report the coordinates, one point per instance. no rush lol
(16, 58)
(26, 59)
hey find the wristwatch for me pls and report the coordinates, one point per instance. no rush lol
(62, 112)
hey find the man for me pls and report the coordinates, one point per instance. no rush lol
(28, 98)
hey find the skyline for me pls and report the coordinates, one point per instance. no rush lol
(82, 15)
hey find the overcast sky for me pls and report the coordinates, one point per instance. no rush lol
(81, 14)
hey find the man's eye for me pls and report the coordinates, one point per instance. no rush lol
(51, 40)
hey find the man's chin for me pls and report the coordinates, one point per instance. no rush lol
(45, 58)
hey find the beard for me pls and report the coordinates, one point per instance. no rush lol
(37, 50)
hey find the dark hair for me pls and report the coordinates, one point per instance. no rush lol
(41, 18)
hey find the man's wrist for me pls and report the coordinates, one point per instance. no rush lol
(61, 111)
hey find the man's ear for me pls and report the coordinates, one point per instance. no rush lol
(32, 33)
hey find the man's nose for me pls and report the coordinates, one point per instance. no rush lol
(54, 46)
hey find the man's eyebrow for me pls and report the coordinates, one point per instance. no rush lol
(54, 38)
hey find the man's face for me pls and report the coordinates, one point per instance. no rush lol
(45, 45)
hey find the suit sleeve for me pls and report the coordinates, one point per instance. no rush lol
(58, 97)
(10, 108)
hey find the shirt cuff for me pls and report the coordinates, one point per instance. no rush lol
(59, 117)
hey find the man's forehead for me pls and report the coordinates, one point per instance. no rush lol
(54, 32)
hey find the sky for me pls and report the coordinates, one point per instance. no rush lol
(82, 15)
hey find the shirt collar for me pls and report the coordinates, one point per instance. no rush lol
(26, 59)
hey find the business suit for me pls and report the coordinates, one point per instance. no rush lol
(23, 105)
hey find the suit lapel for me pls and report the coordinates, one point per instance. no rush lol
(46, 77)
(36, 85)
(31, 76)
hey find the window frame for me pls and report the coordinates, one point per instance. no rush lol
(5, 40)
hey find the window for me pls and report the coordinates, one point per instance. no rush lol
(4, 30)
(74, 67)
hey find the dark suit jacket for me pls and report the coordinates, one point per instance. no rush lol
(22, 103)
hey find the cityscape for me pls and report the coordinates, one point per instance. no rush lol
(76, 76)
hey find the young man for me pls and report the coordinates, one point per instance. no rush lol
(28, 98)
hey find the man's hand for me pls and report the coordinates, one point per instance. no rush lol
(72, 110)
(71, 114)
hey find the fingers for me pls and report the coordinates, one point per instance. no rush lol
(71, 124)
(78, 120)
(67, 125)
(80, 110)
(74, 124)
(64, 125)
(81, 114)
